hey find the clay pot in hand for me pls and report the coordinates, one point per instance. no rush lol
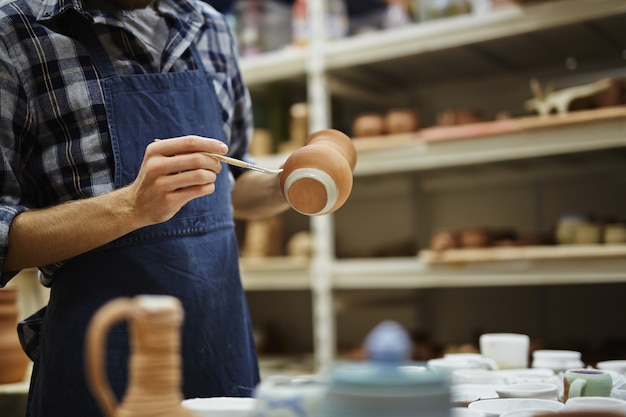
(400, 121)
(317, 178)
(368, 124)
(13, 360)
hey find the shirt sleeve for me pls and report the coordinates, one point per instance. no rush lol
(14, 119)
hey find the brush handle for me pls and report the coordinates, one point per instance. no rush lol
(243, 164)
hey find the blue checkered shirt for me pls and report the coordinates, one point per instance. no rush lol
(54, 140)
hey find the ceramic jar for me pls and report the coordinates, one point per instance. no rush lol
(567, 226)
(285, 396)
(13, 360)
(615, 234)
(388, 383)
(589, 233)
(317, 178)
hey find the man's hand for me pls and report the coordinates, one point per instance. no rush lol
(173, 172)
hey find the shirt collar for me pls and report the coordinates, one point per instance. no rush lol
(184, 10)
(52, 9)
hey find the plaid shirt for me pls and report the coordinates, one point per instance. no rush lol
(54, 139)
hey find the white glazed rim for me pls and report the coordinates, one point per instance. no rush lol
(318, 175)
(219, 404)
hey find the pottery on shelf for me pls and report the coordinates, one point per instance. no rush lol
(317, 178)
(13, 360)
(615, 234)
(367, 125)
(475, 237)
(154, 388)
(444, 240)
(400, 121)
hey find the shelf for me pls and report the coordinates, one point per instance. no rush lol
(521, 138)
(563, 252)
(275, 273)
(411, 273)
(463, 30)
(529, 137)
(289, 62)
(475, 40)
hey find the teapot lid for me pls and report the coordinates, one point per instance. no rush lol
(388, 349)
(388, 343)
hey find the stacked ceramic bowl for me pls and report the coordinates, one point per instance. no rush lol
(557, 360)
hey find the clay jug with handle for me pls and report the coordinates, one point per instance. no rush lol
(155, 364)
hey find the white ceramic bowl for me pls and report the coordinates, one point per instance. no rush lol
(618, 366)
(558, 360)
(220, 406)
(528, 390)
(463, 394)
(595, 404)
(477, 376)
(465, 412)
(530, 412)
(499, 406)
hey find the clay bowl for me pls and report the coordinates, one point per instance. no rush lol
(368, 124)
(400, 121)
(475, 237)
(443, 240)
(317, 178)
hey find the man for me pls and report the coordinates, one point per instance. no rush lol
(102, 208)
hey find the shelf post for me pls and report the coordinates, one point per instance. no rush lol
(321, 226)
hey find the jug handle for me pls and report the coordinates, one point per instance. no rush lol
(109, 314)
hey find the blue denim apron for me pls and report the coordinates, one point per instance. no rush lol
(193, 256)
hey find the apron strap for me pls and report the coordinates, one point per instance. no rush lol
(196, 56)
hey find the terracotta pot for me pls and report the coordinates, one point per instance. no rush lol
(367, 125)
(13, 360)
(317, 178)
(475, 237)
(444, 240)
(466, 116)
(400, 121)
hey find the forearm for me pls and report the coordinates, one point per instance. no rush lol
(257, 196)
(41, 237)
(173, 172)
